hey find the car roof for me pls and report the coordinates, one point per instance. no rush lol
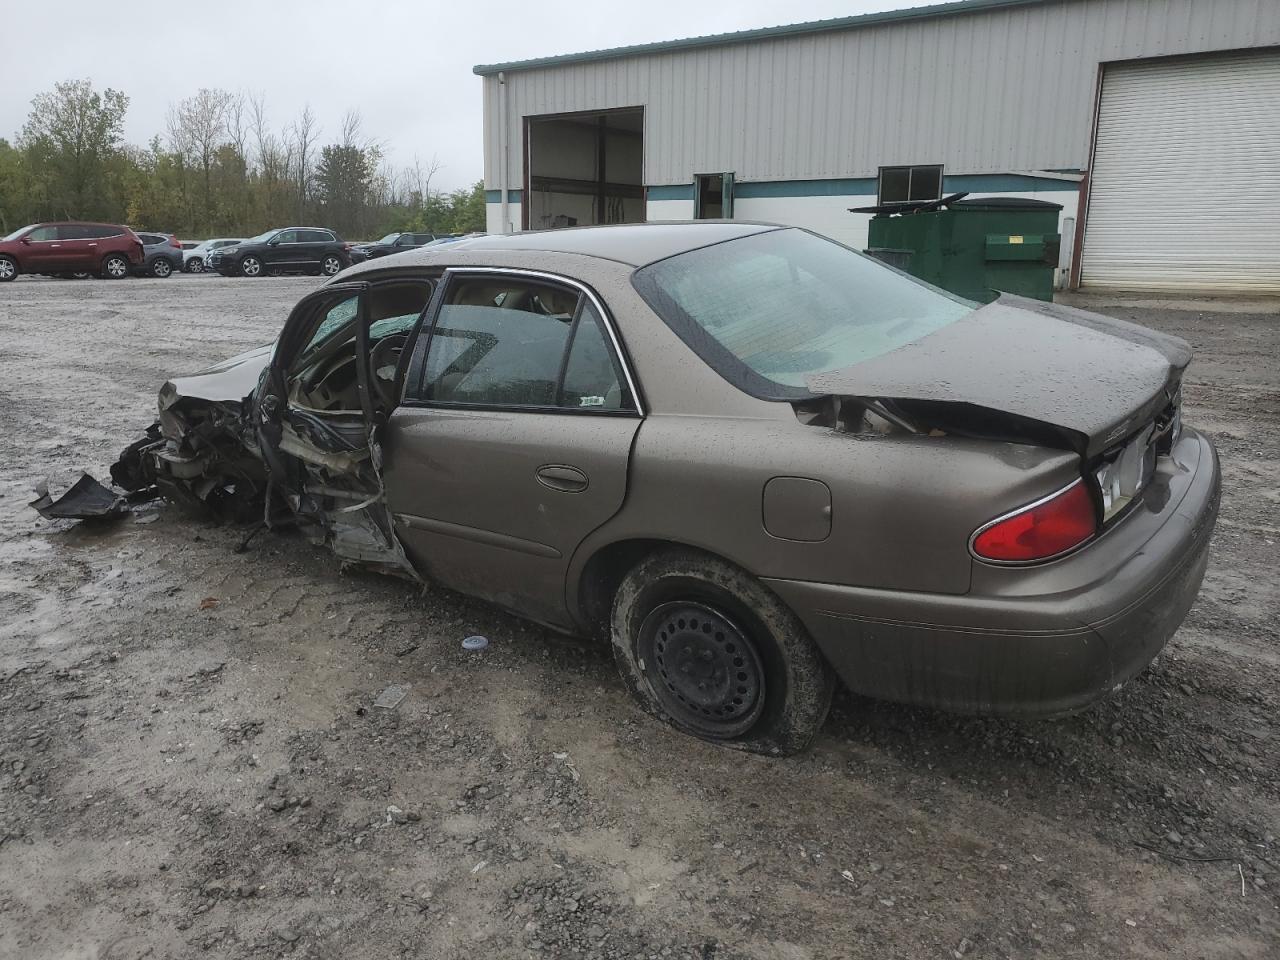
(636, 244)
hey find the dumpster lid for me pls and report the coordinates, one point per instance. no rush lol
(918, 206)
(957, 201)
(1005, 204)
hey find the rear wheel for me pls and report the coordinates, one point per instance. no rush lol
(251, 267)
(115, 267)
(331, 265)
(8, 269)
(707, 648)
(161, 268)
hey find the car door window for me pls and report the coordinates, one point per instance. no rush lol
(43, 233)
(500, 343)
(591, 379)
(287, 236)
(314, 236)
(517, 343)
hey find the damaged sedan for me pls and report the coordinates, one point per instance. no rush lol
(751, 457)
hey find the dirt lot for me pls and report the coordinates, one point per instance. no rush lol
(190, 760)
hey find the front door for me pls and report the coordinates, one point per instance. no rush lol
(44, 253)
(282, 250)
(320, 409)
(513, 439)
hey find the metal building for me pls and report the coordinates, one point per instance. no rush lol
(1155, 123)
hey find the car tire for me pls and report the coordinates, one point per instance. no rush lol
(115, 267)
(251, 267)
(8, 269)
(194, 265)
(331, 266)
(708, 649)
(161, 268)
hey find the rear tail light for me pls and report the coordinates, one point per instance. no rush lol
(346, 247)
(1039, 531)
(173, 242)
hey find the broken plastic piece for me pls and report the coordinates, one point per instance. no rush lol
(391, 697)
(86, 500)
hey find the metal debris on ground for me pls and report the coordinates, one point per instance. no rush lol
(391, 697)
(475, 643)
(87, 499)
(209, 603)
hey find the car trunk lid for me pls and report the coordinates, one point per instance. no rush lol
(1094, 379)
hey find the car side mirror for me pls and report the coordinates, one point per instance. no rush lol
(273, 241)
(26, 239)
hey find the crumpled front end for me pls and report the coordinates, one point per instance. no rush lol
(199, 454)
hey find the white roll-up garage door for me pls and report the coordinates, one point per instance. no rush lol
(1185, 186)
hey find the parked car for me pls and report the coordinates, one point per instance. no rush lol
(195, 260)
(392, 243)
(161, 255)
(753, 458)
(57, 249)
(286, 250)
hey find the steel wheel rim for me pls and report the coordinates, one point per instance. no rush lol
(6, 269)
(251, 267)
(196, 266)
(116, 267)
(332, 266)
(162, 268)
(702, 667)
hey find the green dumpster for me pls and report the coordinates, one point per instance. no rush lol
(976, 249)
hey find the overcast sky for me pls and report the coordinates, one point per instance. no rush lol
(404, 64)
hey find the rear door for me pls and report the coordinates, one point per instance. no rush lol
(513, 438)
(78, 246)
(313, 246)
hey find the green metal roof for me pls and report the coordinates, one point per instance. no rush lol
(765, 33)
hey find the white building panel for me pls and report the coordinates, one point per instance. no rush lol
(989, 89)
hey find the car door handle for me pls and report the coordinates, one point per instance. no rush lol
(558, 476)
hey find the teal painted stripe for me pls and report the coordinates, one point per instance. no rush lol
(674, 191)
(866, 186)
(1003, 183)
(495, 196)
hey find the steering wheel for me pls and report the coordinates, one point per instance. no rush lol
(384, 361)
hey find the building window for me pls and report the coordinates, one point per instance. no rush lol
(910, 184)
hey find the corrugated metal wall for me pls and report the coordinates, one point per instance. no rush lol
(984, 92)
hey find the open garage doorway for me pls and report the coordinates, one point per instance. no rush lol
(583, 169)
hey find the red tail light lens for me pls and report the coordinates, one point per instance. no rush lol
(1040, 531)
(174, 242)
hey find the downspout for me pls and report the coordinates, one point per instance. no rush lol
(503, 157)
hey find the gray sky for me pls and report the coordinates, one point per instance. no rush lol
(405, 65)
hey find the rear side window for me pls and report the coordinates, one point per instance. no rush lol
(514, 343)
(73, 231)
(103, 231)
(315, 236)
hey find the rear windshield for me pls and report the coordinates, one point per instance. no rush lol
(771, 309)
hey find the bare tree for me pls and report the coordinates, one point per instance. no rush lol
(197, 128)
(302, 136)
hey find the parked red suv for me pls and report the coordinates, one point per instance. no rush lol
(106, 249)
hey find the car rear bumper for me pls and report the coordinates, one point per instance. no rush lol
(1041, 640)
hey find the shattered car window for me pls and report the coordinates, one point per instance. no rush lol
(771, 309)
(337, 318)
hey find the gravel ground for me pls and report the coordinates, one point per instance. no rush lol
(191, 762)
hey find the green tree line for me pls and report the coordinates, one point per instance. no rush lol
(219, 168)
